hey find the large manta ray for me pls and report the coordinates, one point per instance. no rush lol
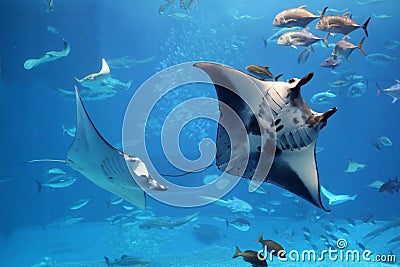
(296, 128)
(104, 165)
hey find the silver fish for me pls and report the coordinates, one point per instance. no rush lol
(331, 62)
(391, 44)
(343, 49)
(379, 59)
(393, 91)
(300, 38)
(59, 181)
(357, 89)
(294, 17)
(302, 58)
(322, 98)
(340, 24)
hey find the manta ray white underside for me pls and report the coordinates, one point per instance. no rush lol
(294, 128)
(104, 165)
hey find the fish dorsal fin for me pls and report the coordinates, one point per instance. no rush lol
(302, 7)
(397, 81)
(347, 14)
(105, 69)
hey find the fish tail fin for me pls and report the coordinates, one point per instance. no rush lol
(379, 91)
(326, 40)
(359, 46)
(323, 12)
(237, 252)
(265, 43)
(129, 84)
(364, 26)
(39, 184)
(107, 260)
(276, 78)
(260, 238)
(64, 129)
(227, 222)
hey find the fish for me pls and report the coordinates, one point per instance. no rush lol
(48, 57)
(272, 247)
(240, 224)
(96, 77)
(59, 181)
(248, 17)
(128, 207)
(390, 186)
(126, 62)
(382, 16)
(395, 239)
(350, 221)
(80, 204)
(166, 223)
(338, 83)
(354, 166)
(361, 246)
(333, 10)
(379, 59)
(251, 257)
(368, 217)
(340, 23)
(69, 131)
(206, 233)
(391, 44)
(323, 98)
(380, 230)
(166, 7)
(295, 17)
(56, 171)
(295, 125)
(344, 231)
(50, 6)
(111, 169)
(331, 62)
(181, 16)
(52, 29)
(262, 71)
(370, 2)
(343, 49)
(336, 199)
(100, 93)
(274, 37)
(187, 4)
(65, 221)
(303, 57)
(300, 38)
(235, 204)
(385, 141)
(376, 184)
(357, 89)
(392, 91)
(126, 261)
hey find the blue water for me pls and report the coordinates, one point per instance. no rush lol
(32, 113)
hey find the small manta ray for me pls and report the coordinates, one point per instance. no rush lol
(96, 77)
(354, 166)
(294, 124)
(336, 199)
(92, 156)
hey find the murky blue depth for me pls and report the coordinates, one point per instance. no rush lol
(51, 215)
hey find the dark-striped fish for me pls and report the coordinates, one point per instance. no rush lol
(293, 17)
(339, 23)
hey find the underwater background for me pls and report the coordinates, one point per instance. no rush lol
(35, 225)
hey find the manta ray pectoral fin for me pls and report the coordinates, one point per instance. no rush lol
(97, 160)
(105, 69)
(296, 171)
